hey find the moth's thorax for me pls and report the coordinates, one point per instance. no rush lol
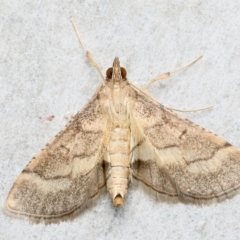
(114, 96)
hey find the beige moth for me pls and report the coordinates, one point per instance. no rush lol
(123, 133)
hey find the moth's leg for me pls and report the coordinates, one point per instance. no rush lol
(143, 91)
(168, 74)
(88, 54)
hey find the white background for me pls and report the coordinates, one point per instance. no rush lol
(44, 72)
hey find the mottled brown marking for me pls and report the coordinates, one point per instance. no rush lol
(205, 167)
(182, 134)
(34, 194)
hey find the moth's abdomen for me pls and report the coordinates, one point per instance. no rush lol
(118, 164)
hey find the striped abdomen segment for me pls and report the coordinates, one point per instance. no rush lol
(118, 167)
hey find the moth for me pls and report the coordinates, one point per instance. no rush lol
(122, 133)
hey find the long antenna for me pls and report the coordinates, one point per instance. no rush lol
(88, 54)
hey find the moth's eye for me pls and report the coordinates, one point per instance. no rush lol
(109, 73)
(123, 72)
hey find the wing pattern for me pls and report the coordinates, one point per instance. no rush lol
(176, 157)
(66, 173)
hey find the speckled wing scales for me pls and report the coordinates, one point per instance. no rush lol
(66, 173)
(178, 158)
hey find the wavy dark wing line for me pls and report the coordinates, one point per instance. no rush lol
(66, 172)
(199, 164)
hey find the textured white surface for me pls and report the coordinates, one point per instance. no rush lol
(43, 72)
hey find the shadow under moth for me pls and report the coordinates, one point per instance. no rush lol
(121, 133)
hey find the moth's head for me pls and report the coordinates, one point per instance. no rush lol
(116, 73)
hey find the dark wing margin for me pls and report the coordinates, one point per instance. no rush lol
(168, 150)
(66, 173)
